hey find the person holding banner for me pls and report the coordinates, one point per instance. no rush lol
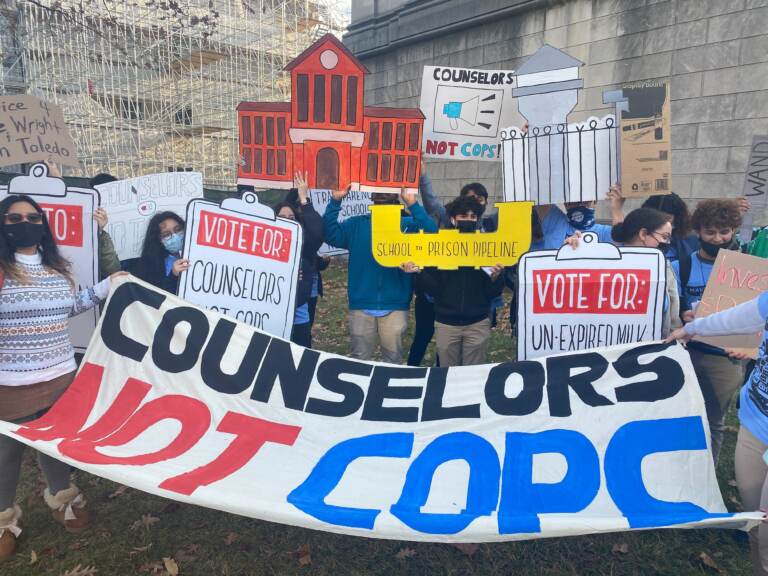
(462, 297)
(751, 458)
(651, 229)
(160, 262)
(37, 360)
(715, 223)
(379, 297)
(312, 224)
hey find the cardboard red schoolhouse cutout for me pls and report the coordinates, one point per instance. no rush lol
(326, 131)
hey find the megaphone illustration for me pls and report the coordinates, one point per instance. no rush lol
(466, 111)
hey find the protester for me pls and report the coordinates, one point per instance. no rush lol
(160, 262)
(652, 229)
(683, 240)
(379, 297)
(312, 226)
(715, 223)
(462, 297)
(752, 442)
(557, 226)
(436, 209)
(37, 296)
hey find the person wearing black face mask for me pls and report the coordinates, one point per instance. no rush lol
(715, 222)
(37, 362)
(462, 297)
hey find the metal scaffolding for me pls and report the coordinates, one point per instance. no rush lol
(152, 85)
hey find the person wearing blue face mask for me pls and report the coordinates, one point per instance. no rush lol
(160, 262)
(557, 225)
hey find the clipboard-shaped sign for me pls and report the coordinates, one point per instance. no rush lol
(70, 215)
(244, 262)
(594, 296)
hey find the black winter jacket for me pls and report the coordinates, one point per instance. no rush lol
(462, 296)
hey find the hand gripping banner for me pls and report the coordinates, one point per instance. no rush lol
(190, 405)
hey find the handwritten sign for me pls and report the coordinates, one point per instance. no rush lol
(70, 215)
(354, 204)
(131, 204)
(450, 249)
(596, 295)
(735, 278)
(755, 183)
(244, 262)
(32, 130)
(464, 110)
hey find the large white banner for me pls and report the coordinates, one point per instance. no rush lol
(244, 262)
(70, 216)
(131, 204)
(354, 204)
(594, 296)
(464, 110)
(188, 404)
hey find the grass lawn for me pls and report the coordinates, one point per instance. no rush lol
(134, 532)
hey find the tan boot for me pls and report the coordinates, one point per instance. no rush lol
(9, 531)
(68, 507)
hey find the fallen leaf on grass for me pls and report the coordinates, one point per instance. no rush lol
(737, 503)
(80, 571)
(468, 549)
(77, 544)
(33, 557)
(732, 483)
(152, 567)
(231, 538)
(146, 521)
(139, 549)
(171, 566)
(733, 429)
(404, 553)
(187, 554)
(705, 559)
(303, 554)
(170, 508)
(622, 548)
(119, 492)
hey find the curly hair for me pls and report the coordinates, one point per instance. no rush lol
(716, 213)
(464, 205)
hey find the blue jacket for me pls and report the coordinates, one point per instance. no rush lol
(371, 286)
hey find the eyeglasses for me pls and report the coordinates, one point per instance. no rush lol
(17, 218)
(665, 238)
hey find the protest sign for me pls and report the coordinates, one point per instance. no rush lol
(70, 215)
(553, 161)
(755, 184)
(464, 110)
(131, 204)
(593, 296)
(735, 278)
(244, 262)
(645, 142)
(32, 130)
(327, 132)
(450, 249)
(188, 404)
(353, 204)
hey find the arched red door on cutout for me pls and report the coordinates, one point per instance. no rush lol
(327, 169)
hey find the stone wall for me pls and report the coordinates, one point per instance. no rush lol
(714, 52)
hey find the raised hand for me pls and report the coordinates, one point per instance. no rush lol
(300, 182)
(409, 198)
(339, 195)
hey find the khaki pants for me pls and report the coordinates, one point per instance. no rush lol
(366, 331)
(719, 378)
(751, 476)
(463, 345)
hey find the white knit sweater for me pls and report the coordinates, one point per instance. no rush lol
(34, 334)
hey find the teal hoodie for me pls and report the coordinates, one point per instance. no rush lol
(371, 286)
